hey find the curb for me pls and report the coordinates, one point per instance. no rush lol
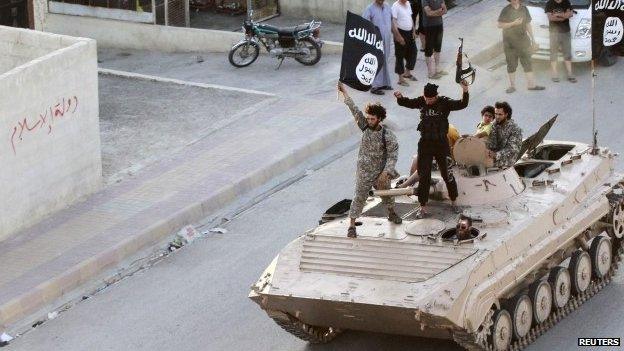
(487, 54)
(52, 290)
(131, 75)
(332, 47)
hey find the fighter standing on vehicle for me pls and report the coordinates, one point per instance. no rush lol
(377, 157)
(433, 127)
(505, 139)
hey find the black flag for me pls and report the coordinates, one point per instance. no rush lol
(362, 53)
(607, 31)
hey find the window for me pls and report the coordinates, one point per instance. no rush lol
(132, 5)
(124, 10)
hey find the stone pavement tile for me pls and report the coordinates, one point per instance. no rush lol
(68, 249)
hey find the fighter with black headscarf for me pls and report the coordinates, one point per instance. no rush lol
(433, 127)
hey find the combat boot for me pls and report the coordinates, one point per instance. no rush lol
(351, 232)
(393, 217)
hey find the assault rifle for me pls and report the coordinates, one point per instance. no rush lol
(461, 73)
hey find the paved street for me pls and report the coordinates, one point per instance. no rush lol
(196, 298)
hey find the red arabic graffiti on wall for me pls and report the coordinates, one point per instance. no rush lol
(45, 121)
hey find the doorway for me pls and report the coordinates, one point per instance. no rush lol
(16, 13)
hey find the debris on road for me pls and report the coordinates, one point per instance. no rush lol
(4, 339)
(218, 230)
(185, 236)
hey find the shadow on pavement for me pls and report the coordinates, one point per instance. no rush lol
(367, 341)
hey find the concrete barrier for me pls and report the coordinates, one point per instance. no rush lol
(141, 36)
(49, 126)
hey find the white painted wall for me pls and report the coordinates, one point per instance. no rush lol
(49, 125)
(40, 10)
(326, 10)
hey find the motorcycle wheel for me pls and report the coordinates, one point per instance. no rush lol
(244, 53)
(315, 52)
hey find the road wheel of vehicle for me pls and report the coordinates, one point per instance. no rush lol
(522, 315)
(319, 335)
(616, 218)
(580, 271)
(600, 253)
(314, 55)
(500, 336)
(244, 53)
(540, 294)
(559, 279)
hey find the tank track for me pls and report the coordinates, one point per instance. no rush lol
(469, 340)
(311, 334)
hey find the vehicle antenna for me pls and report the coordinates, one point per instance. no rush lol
(594, 149)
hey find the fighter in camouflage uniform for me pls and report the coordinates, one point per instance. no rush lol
(377, 159)
(505, 139)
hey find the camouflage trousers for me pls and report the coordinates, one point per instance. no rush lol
(365, 181)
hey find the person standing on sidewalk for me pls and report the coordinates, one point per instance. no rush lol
(417, 16)
(559, 13)
(380, 14)
(433, 143)
(515, 21)
(377, 157)
(405, 53)
(433, 11)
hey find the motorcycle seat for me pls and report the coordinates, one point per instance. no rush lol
(285, 31)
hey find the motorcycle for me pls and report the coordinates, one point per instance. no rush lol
(300, 42)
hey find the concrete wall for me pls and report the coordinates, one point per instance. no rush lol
(40, 9)
(326, 10)
(130, 35)
(49, 126)
(140, 36)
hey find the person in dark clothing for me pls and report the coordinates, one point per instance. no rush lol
(433, 143)
(433, 10)
(417, 18)
(559, 13)
(515, 21)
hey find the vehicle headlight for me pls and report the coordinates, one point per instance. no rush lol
(583, 31)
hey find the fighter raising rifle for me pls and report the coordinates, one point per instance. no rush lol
(462, 74)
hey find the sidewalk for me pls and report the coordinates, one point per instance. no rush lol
(50, 259)
(44, 264)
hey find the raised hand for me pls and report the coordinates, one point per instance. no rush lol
(464, 85)
(342, 91)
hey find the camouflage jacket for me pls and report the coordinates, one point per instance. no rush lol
(371, 154)
(506, 141)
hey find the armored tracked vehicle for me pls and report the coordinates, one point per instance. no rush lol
(547, 235)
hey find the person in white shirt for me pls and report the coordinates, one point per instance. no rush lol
(404, 44)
